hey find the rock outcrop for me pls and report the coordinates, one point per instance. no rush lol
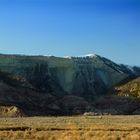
(11, 111)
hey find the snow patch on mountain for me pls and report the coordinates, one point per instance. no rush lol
(90, 55)
(130, 68)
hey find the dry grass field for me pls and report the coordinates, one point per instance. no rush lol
(71, 128)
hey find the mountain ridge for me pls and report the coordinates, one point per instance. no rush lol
(49, 85)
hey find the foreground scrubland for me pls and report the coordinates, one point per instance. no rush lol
(71, 128)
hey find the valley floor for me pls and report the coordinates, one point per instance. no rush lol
(71, 128)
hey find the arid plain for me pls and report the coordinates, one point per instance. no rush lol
(71, 128)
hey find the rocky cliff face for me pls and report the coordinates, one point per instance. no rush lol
(45, 83)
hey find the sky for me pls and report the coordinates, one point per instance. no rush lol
(109, 28)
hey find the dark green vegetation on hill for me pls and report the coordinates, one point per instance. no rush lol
(41, 85)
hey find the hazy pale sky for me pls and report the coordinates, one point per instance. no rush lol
(110, 28)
